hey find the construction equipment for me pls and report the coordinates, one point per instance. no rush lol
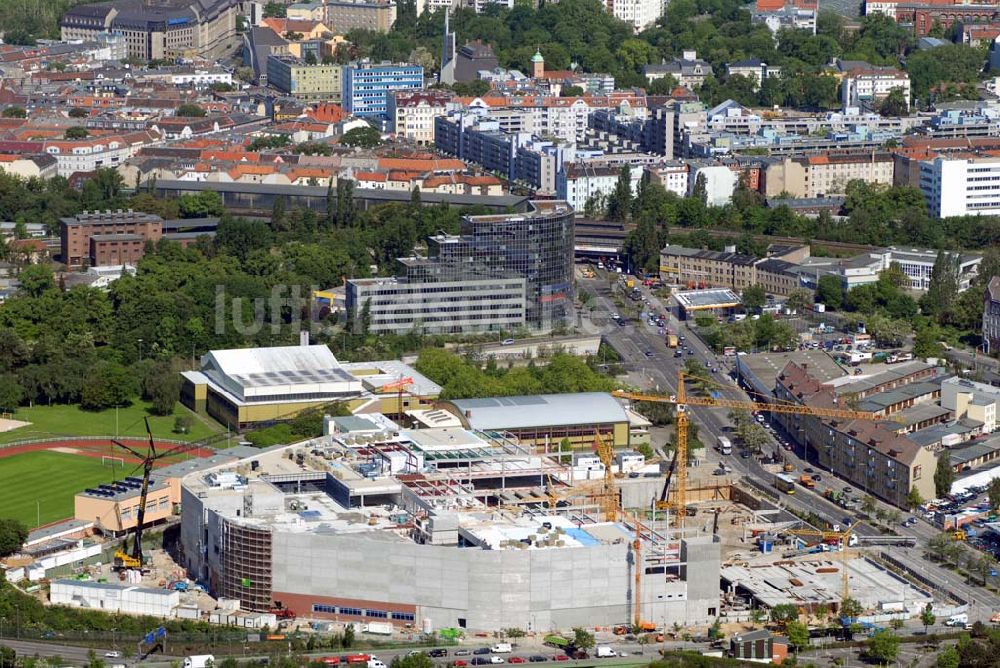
(681, 401)
(844, 537)
(397, 386)
(609, 498)
(135, 560)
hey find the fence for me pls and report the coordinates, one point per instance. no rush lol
(67, 439)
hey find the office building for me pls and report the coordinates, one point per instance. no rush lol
(398, 306)
(961, 185)
(344, 16)
(535, 247)
(367, 87)
(309, 82)
(868, 87)
(164, 29)
(107, 237)
(918, 265)
(578, 183)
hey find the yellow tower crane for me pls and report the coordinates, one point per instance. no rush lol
(609, 495)
(844, 537)
(681, 400)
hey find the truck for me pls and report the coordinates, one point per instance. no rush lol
(960, 619)
(376, 663)
(725, 446)
(557, 641)
(604, 652)
(199, 661)
(671, 340)
(806, 481)
(785, 483)
(379, 628)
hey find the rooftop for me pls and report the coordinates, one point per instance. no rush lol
(543, 410)
(707, 299)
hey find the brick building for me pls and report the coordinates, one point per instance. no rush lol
(99, 238)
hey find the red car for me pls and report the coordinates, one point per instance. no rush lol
(560, 657)
(517, 659)
(459, 663)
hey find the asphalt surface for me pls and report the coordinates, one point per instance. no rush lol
(658, 372)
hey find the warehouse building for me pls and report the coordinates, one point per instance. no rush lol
(404, 527)
(108, 597)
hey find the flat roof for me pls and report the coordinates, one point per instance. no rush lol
(692, 300)
(763, 368)
(542, 410)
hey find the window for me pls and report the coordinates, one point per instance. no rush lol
(917, 472)
(403, 616)
(328, 609)
(351, 611)
(377, 614)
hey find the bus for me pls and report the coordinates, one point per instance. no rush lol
(785, 483)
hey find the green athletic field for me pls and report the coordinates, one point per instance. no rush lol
(51, 479)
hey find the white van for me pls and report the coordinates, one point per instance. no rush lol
(957, 620)
(604, 652)
(502, 648)
(376, 663)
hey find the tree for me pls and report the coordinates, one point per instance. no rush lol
(36, 280)
(925, 342)
(784, 614)
(14, 112)
(700, 191)
(110, 384)
(77, 112)
(894, 104)
(347, 641)
(993, 490)
(93, 661)
(943, 287)
(275, 10)
(883, 647)
(418, 660)
(582, 639)
(868, 504)
(514, 633)
(188, 110)
(571, 91)
(799, 299)
(927, 617)
(948, 658)
(8, 657)
(944, 475)
(202, 205)
(754, 297)
(76, 132)
(161, 386)
(798, 634)
(366, 137)
(850, 608)
(183, 424)
(620, 200)
(12, 536)
(830, 291)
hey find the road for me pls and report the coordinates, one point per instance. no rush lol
(658, 372)
(69, 653)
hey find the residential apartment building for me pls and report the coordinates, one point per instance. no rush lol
(870, 455)
(689, 70)
(826, 173)
(398, 306)
(991, 316)
(107, 237)
(412, 113)
(578, 183)
(533, 249)
(961, 185)
(787, 14)
(777, 273)
(308, 82)
(673, 176)
(42, 166)
(754, 68)
(640, 14)
(86, 155)
(971, 400)
(164, 29)
(869, 87)
(367, 87)
(344, 16)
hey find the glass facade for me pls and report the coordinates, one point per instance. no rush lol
(536, 246)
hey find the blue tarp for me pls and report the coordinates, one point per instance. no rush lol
(582, 537)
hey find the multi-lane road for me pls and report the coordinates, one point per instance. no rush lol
(658, 371)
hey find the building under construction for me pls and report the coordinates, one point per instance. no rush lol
(438, 527)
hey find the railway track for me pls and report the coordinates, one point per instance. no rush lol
(836, 247)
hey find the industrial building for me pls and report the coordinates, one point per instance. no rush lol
(108, 597)
(434, 527)
(546, 420)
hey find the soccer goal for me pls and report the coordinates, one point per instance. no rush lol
(108, 460)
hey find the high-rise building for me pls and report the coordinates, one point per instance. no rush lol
(477, 276)
(344, 16)
(367, 87)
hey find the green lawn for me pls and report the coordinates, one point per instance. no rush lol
(44, 483)
(55, 421)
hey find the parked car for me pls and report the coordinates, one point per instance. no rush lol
(463, 652)
(538, 658)
(438, 652)
(517, 659)
(481, 650)
(458, 663)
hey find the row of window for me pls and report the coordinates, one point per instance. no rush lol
(363, 612)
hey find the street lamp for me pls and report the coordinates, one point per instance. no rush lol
(140, 349)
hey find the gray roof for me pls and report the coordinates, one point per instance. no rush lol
(541, 410)
(972, 452)
(58, 528)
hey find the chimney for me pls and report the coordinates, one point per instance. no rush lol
(304, 337)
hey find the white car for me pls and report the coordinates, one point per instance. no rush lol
(113, 654)
(497, 659)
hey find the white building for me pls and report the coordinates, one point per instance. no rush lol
(201, 78)
(411, 113)
(755, 69)
(579, 182)
(108, 597)
(961, 186)
(968, 399)
(720, 183)
(673, 176)
(86, 155)
(918, 264)
(640, 14)
(873, 86)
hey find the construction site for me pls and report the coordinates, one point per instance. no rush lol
(385, 520)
